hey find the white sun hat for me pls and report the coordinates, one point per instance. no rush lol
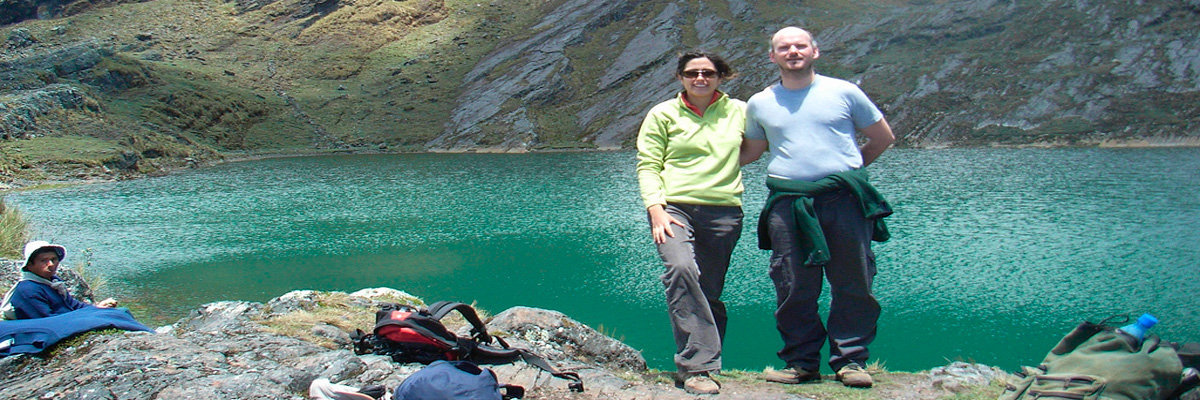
(34, 246)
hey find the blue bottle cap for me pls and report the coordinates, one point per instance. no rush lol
(1147, 320)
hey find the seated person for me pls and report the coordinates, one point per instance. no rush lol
(40, 293)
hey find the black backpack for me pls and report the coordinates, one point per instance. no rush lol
(408, 334)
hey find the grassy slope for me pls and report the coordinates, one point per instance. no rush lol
(200, 80)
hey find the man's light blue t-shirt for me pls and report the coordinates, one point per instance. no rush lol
(811, 131)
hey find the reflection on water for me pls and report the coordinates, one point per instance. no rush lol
(995, 254)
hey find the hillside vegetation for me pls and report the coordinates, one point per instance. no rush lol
(104, 89)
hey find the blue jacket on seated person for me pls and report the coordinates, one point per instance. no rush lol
(34, 299)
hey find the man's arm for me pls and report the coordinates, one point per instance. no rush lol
(751, 150)
(879, 137)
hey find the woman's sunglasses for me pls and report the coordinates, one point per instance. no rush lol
(693, 73)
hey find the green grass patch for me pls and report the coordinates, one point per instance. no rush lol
(1072, 125)
(211, 112)
(14, 230)
(299, 324)
(339, 310)
(11, 161)
(65, 149)
(77, 340)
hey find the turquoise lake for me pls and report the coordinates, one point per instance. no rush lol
(995, 253)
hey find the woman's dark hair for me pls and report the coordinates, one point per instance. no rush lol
(723, 68)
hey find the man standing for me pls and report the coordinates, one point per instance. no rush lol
(821, 214)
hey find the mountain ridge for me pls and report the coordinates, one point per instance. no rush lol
(136, 87)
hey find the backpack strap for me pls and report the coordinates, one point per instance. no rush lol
(1081, 334)
(1189, 356)
(478, 329)
(530, 358)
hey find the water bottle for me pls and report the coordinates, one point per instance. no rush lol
(1137, 330)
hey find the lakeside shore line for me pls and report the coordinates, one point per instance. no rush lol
(240, 350)
(101, 174)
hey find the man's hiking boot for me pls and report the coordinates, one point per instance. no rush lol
(853, 375)
(701, 384)
(791, 375)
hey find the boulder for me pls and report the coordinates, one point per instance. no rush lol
(555, 335)
(20, 38)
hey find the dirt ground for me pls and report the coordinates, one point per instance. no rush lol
(891, 386)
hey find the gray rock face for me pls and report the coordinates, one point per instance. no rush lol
(31, 68)
(538, 78)
(1071, 69)
(24, 76)
(20, 38)
(540, 61)
(959, 376)
(553, 334)
(965, 72)
(19, 114)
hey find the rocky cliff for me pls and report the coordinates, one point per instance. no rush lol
(141, 86)
(946, 73)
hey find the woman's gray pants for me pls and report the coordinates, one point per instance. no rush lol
(696, 260)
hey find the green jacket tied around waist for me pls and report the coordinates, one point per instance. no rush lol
(813, 248)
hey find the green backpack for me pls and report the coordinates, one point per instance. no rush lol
(1095, 361)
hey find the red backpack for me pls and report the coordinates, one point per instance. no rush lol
(408, 334)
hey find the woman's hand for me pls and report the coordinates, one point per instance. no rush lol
(107, 303)
(660, 223)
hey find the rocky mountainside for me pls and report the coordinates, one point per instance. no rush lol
(142, 86)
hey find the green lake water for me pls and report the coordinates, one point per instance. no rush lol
(995, 253)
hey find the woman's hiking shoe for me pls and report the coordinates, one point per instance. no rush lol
(791, 375)
(701, 384)
(853, 375)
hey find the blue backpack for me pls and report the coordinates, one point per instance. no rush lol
(452, 380)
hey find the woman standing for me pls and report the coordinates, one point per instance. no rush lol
(691, 185)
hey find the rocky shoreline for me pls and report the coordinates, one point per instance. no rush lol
(242, 350)
(100, 174)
